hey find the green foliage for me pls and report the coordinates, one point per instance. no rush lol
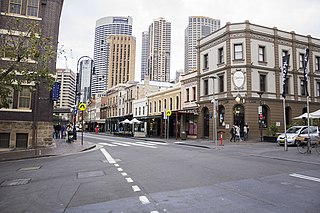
(27, 57)
(272, 130)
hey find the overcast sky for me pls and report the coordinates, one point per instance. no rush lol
(79, 17)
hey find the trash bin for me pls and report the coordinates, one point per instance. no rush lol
(183, 135)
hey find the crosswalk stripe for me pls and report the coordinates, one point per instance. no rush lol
(120, 144)
(136, 144)
(157, 143)
(107, 144)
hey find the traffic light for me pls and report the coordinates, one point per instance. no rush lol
(260, 117)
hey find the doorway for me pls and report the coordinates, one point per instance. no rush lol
(205, 122)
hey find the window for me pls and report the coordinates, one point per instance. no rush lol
(221, 83)
(24, 98)
(318, 89)
(317, 68)
(142, 110)
(238, 52)
(15, 6)
(261, 54)
(150, 109)
(301, 61)
(221, 56)
(194, 93)
(33, 8)
(187, 93)
(155, 106)
(159, 106)
(302, 88)
(262, 82)
(139, 110)
(177, 102)
(136, 111)
(206, 87)
(165, 103)
(170, 103)
(206, 61)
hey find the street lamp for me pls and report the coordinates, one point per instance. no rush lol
(260, 93)
(214, 102)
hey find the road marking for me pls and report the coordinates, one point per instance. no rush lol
(136, 188)
(107, 144)
(129, 180)
(116, 165)
(154, 212)
(136, 144)
(120, 144)
(124, 174)
(144, 200)
(305, 177)
(157, 143)
(120, 169)
(108, 156)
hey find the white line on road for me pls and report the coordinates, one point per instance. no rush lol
(120, 144)
(305, 177)
(157, 143)
(120, 169)
(154, 212)
(116, 165)
(144, 200)
(108, 156)
(107, 144)
(124, 174)
(136, 144)
(136, 188)
(129, 180)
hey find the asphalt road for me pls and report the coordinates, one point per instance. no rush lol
(126, 175)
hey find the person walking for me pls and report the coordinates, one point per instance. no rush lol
(245, 133)
(238, 133)
(233, 134)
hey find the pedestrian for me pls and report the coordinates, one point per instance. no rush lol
(233, 134)
(58, 131)
(63, 131)
(247, 130)
(238, 133)
(245, 133)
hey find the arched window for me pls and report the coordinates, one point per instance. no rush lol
(221, 114)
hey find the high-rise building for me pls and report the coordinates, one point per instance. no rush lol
(159, 50)
(121, 66)
(67, 89)
(144, 54)
(85, 76)
(198, 27)
(104, 27)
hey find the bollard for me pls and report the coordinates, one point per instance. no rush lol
(221, 139)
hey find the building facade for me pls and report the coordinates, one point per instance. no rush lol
(27, 123)
(66, 77)
(240, 78)
(144, 54)
(121, 65)
(104, 27)
(159, 50)
(198, 27)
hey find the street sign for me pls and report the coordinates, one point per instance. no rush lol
(82, 106)
(168, 112)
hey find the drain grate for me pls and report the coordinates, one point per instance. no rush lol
(16, 182)
(90, 174)
(30, 168)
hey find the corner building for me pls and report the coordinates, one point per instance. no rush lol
(239, 66)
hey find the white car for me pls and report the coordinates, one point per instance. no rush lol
(301, 131)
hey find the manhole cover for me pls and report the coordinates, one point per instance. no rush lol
(29, 168)
(90, 174)
(16, 182)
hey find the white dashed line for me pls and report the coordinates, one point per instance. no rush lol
(120, 169)
(305, 177)
(120, 144)
(116, 165)
(108, 156)
(136, 188)
(129, 180)
(144, 200)
(154, 212)
(124, 174)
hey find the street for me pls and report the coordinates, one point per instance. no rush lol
(130, 175)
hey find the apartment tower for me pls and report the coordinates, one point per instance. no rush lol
(144, 54)
(159, 50)
(121, 66)
(198, 27)
(105, 27)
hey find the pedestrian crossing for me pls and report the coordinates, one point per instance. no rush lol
(151, 145)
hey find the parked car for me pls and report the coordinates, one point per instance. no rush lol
(301, 131)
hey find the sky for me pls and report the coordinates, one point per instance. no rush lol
(78, 20)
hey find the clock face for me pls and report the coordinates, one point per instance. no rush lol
(238, 79)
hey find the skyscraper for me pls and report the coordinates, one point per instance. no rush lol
(122, 51)
(159, 50)
(198, 27)
(104, 27)
(144, 54)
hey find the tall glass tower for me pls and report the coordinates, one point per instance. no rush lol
(198, 27)
(106, 26)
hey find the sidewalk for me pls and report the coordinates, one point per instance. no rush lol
(59, 147)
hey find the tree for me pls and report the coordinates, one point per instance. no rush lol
(26, 58)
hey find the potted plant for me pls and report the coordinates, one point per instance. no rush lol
(272, 134)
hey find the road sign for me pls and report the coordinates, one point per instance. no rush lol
(82, 106)
(168, 112)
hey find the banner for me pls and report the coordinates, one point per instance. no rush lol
(285, 65)
(305, 72)
(56, 91)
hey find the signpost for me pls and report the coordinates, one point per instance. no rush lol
(82, 106)
(167, 115)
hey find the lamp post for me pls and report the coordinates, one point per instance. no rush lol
(214, 102)
(78, 92)
(260, 93)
